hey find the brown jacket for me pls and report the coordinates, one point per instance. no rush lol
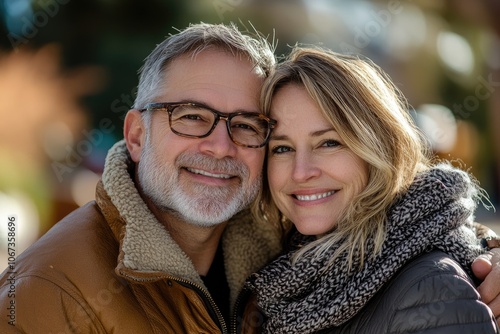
(110, 266)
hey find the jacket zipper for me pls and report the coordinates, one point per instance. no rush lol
(234, 318)
(201, 291)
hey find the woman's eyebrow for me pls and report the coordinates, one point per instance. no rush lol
(317, 133)
(321, 132)
(278, 137)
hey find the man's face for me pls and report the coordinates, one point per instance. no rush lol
(204, 181)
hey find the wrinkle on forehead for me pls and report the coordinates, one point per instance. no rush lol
(215, 78)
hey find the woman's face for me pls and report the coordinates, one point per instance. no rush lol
(312, 175)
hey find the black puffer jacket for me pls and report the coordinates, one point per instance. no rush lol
(422, 298)
(417, 283)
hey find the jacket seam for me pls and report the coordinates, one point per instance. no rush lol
(472, 323)
(142, 304)
(64, 288)
(427, 277)
(402, 295)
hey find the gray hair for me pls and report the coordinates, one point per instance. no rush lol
(194, 39)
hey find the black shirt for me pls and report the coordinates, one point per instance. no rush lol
(216, 283)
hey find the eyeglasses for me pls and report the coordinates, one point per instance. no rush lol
(194, 120)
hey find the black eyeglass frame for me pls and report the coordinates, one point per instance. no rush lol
(170, 107)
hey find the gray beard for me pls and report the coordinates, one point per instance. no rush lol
(199, 204)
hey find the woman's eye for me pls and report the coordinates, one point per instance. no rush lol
(330, 143)
(280, 149)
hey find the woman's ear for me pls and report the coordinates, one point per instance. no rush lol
(134, 133)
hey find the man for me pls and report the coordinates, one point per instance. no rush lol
(169, 241)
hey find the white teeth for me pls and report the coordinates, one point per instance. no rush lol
(202, 172)
(314, 197)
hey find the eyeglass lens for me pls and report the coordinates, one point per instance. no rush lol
(246, 129)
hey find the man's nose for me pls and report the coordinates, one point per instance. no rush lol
(219, 144)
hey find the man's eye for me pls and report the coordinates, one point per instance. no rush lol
(192, 117)
(244, 126)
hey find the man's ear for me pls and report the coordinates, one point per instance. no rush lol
(134, 133)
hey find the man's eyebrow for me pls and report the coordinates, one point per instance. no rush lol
(205, 105)
(312, 134)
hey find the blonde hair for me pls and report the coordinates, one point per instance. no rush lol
(372, 118)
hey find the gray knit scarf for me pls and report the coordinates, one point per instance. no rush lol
(435, 213)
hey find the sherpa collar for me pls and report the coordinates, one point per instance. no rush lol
(146, 245)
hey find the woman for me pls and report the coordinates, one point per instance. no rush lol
(377, 244)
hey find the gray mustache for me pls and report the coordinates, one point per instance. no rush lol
(226, 165)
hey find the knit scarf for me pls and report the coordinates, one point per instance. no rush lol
(435, 213)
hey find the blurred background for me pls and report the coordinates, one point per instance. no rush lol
(68, 73)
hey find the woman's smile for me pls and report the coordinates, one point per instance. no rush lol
(313, 197)
(313, 176)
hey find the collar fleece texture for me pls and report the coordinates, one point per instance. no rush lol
(146, 246)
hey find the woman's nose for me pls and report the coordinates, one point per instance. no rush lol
(304, 167)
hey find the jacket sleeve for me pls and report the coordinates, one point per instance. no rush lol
(33, 304)
(434, 295)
